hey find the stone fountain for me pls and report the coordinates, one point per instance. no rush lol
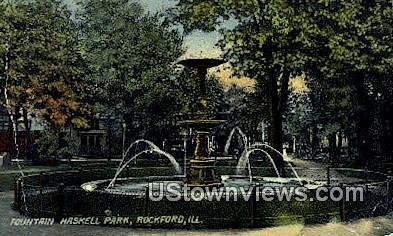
(202, 166)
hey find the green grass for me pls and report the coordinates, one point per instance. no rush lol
(6, 182)
(7, 176)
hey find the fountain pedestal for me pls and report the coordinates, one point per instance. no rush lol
(202, 172)
(202, 166)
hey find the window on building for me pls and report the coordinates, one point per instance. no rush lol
(4, 121)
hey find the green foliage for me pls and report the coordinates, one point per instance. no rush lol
(351, 56)
(129, 53)
(130, 56)
(265, 37)
(186, 92)
(45, 70)
(264, 45)
(338, 37)
(56, 143)
(245, 110)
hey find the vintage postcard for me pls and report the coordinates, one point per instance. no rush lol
(196, 117)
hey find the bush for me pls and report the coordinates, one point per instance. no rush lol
(58, 144)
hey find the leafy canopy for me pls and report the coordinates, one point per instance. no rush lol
(44, 70)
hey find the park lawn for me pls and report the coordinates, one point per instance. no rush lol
(8, 176)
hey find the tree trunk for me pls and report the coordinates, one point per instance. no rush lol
(8, 101)
(284, 91)
(275, 119)
(340, 141)
(332, 148)
(314, 141)
(276, 104)
(363, 114)
(26, 123)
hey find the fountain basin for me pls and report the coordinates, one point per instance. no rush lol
(142, 186)
(129, 198)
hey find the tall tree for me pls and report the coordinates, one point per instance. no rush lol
(352, 53)
(131, 56)
(41, 69)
